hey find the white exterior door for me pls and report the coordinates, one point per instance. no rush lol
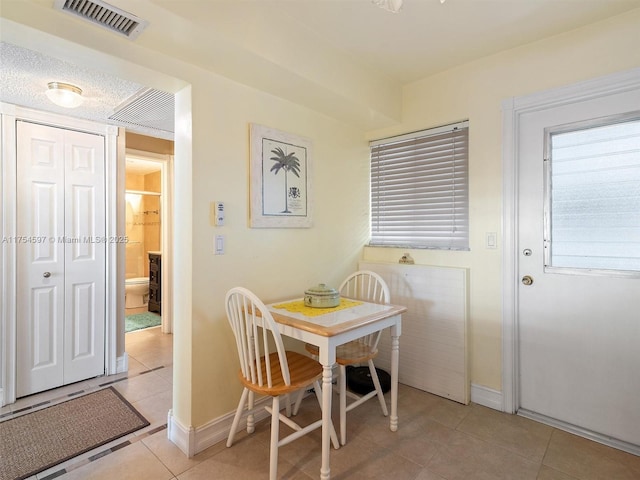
(60, 256)
(578, 333)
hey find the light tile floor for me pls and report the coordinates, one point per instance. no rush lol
(437, 440)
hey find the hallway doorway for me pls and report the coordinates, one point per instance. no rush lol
(148, 211)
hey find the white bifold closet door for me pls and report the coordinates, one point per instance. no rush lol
(61, 249)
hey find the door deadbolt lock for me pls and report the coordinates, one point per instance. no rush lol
(527, 252)
(46, 274)
(527, 280)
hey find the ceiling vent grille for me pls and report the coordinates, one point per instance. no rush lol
(105, 15)
(149, 108)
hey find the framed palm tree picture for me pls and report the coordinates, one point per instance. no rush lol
(280, 179)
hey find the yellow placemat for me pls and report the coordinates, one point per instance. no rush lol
(298, 306)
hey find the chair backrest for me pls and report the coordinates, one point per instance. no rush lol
(367, 286)
(253, 327)
(370, 287)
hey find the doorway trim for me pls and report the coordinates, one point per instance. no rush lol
(10, 114)
(512, 111)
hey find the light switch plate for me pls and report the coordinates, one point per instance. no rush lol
(218, 245)
(492, 240)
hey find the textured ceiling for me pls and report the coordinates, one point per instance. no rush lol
(25, 74)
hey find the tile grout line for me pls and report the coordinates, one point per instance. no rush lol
(56, 400)
(104, 453)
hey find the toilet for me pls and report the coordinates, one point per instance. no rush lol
(136, 292)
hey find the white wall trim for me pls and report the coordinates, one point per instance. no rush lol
(181, 252)
(509, 260)
(582, 432)
(218, 429)
(8, 255)
(112, 312)
(193, 441)
(122, 363)
(183, 437)
(512, 111)
(167, 245)
(487, 397)
(60, 121)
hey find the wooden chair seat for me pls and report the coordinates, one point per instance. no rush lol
(302, 370)
(349, 353)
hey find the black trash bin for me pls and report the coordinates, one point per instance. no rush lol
(359, 380)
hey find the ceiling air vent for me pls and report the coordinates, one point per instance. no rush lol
(105, 15)
(149, 108)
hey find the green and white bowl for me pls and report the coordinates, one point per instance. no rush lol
(321, 296)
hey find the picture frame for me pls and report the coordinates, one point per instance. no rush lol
(280, 171)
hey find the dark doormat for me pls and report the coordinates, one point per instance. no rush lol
(36, 441)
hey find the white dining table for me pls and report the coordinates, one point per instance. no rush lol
(328, 328)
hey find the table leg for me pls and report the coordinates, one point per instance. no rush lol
(395, 357)
(327, 377)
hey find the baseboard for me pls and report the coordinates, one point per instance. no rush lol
(122, 363)
(218, 429)
(582, 432)
(193, 441)
(183, 437)
(487, 397)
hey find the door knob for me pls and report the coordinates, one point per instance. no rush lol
(46, 274)
(527, 280)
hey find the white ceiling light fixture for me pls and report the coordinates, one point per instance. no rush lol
(393, 6)
(64, 94)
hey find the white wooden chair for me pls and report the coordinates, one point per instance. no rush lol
(370, 287)
(274, 374)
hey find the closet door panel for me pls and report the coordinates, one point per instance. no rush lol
(40, 258)
(84, 256)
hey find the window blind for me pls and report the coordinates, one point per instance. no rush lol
(419, 189)
(594, 190)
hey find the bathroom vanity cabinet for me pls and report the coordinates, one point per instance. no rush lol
(155, 280)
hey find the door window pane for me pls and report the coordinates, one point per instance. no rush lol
(593, 195)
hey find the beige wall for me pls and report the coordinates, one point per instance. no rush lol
(145, 227)
(152, 220)
(475, 91)
(134, 181)
(274, 263)
(134, 260)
